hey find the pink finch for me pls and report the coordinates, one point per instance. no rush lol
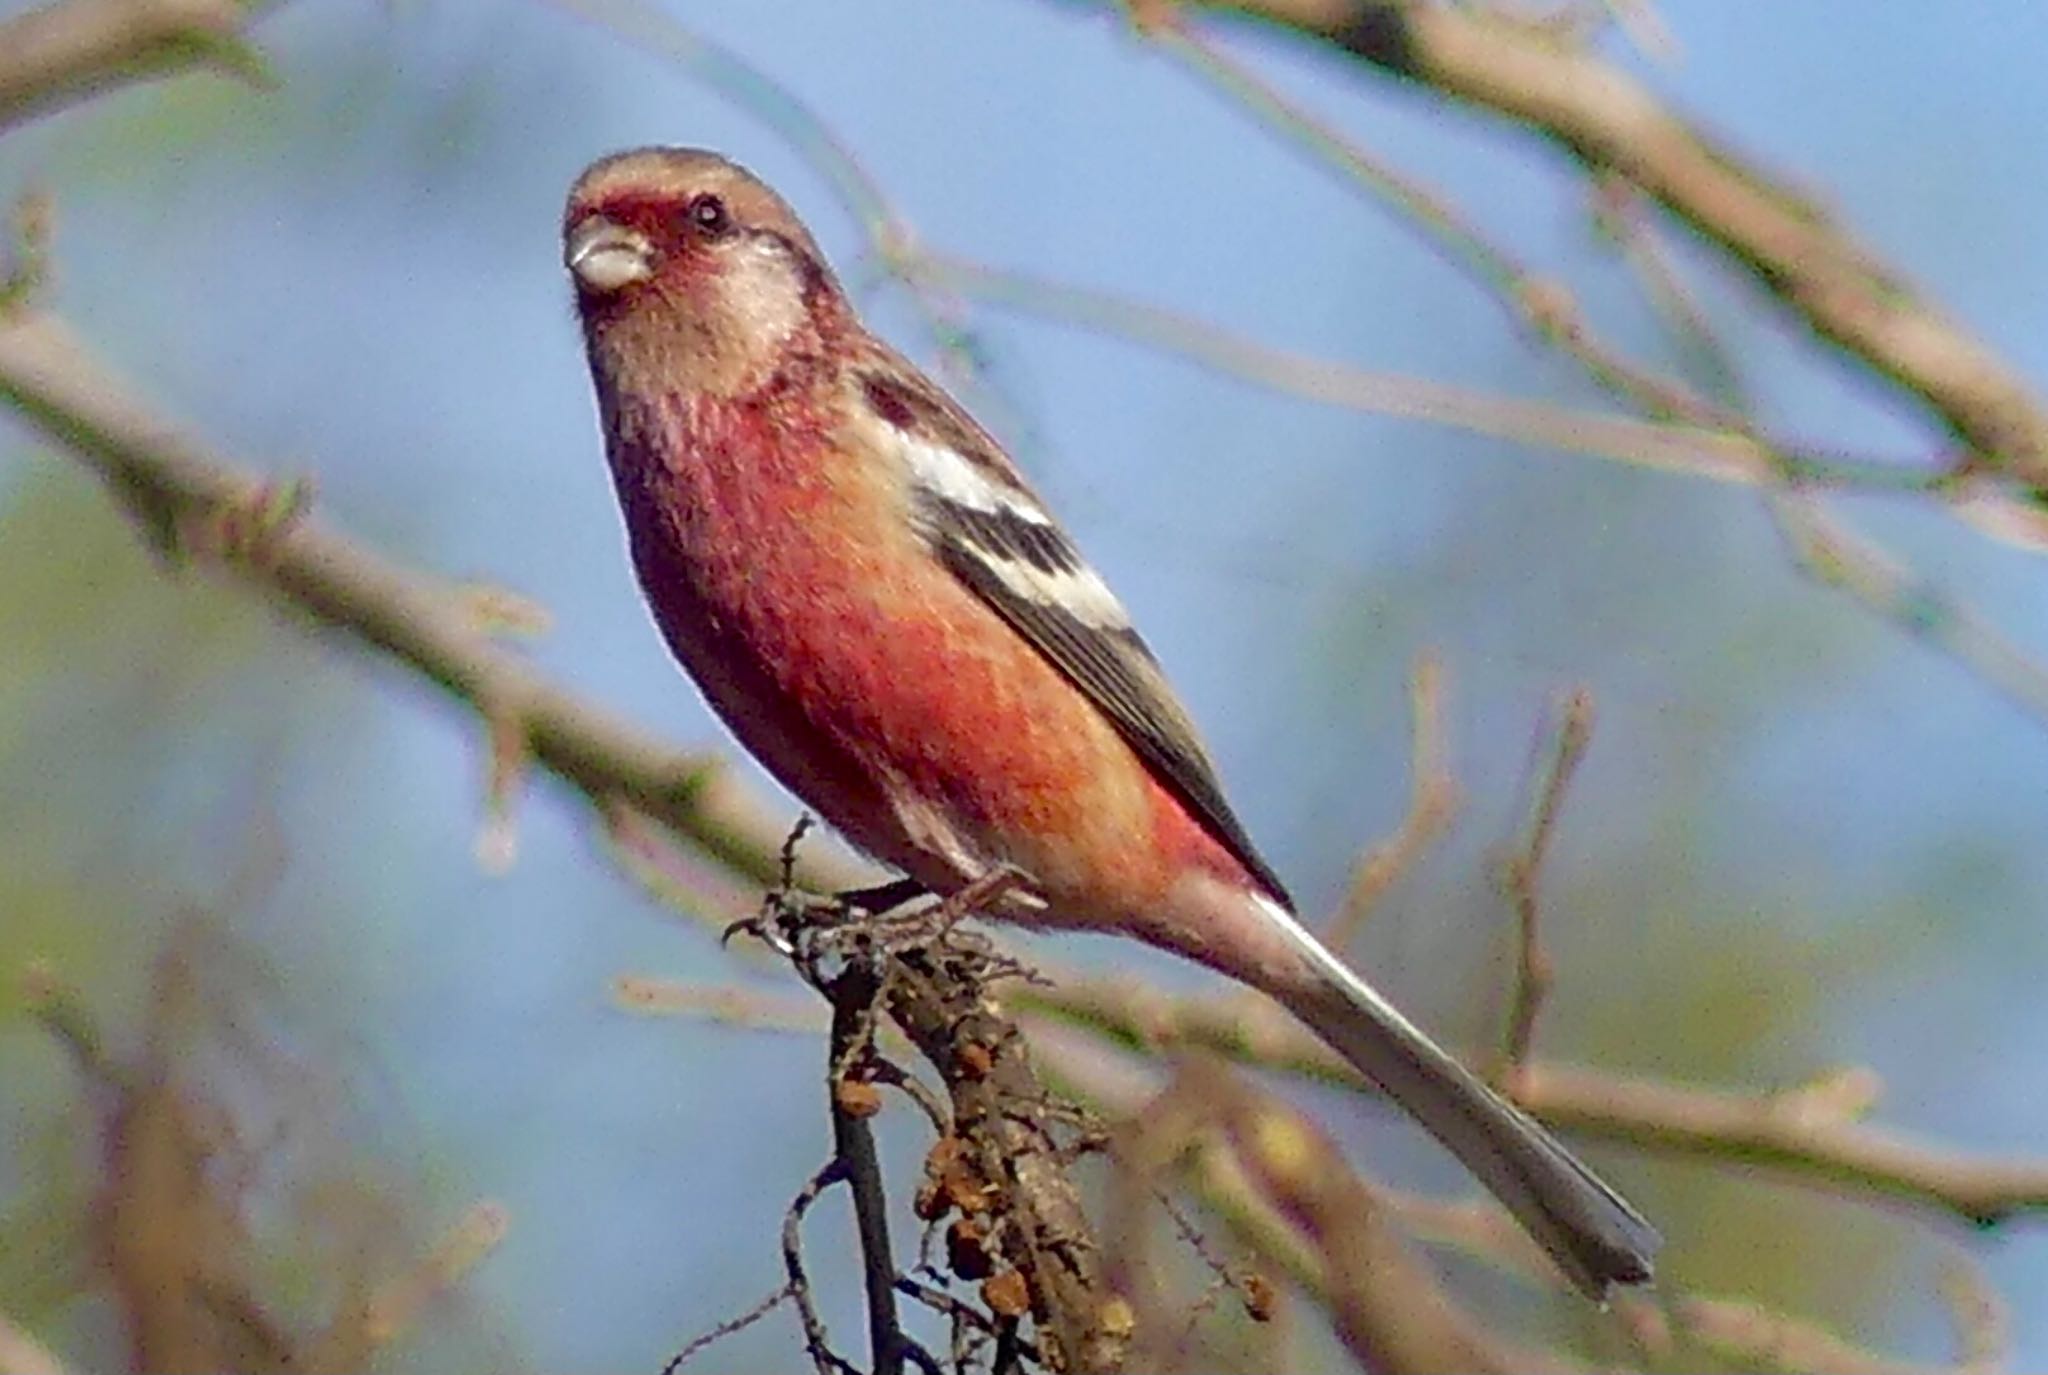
(880, 608)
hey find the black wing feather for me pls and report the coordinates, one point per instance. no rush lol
(1112, 665)
(1118, 673)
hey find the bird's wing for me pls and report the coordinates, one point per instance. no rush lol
(996, 536)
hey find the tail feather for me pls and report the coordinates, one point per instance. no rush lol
(1595, 1237)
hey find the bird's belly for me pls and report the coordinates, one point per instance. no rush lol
(915, 720)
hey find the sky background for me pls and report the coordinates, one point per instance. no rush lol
(1801, 839)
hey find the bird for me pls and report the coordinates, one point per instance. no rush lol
(880, 608)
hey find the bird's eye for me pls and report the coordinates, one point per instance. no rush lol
(708, 213)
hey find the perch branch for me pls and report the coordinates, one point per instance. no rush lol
(854, 1100)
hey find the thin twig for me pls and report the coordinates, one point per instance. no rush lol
(936, 1113)
(396, 1304)
(959, 1311)
(817, 1342)
(727, 1328)
(755, 1009)
(1696, 450)
(1521, 874)
(1979, 1316)
(1617, 210)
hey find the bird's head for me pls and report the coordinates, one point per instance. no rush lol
(688, 269)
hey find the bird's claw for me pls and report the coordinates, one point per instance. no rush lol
(768, 933)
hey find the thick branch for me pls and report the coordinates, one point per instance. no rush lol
(174, 487)
(1606, 120)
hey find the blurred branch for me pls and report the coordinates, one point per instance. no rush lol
(396, 1304)
(1979, 1316)
(1696, 450)
(1286, 1189)
(1285, 1192)
(196, 1140)
(1432, 801)
(1494, 62)
(1781, 1131)
(1809, 1136)
(1535, 303)
(21, 1354)
(1621, 213)
(1749, 1336)
(1522, 873)
(1702, 448)
(1821, 546)
(74, 49)
(191, 501)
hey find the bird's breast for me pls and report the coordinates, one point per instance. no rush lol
(788, 577)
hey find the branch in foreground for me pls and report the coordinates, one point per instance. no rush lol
(1806, 1135)
(189, 1128)
(1609, 122)
(1295, 1198)
(74, 49)
(1271, 1179)
(185, 498)
(21, 1354)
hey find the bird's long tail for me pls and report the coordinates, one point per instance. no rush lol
(1592, 1233)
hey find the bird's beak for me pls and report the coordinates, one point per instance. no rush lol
(605, 256)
